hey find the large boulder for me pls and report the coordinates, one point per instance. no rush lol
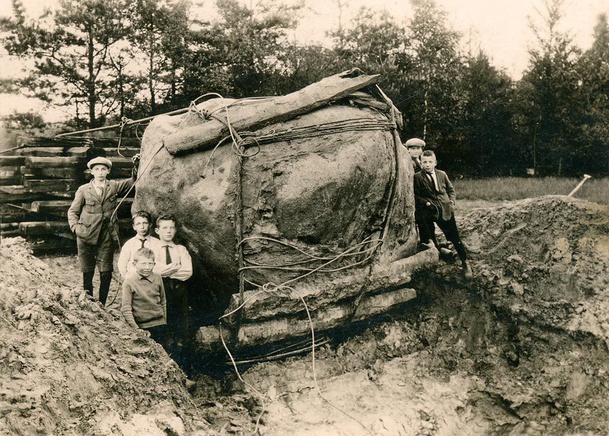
(324, 190)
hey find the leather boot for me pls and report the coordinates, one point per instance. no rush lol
(87, 282)
(104, 286)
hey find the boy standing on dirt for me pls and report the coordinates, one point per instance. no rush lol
(93, 220)
(140, 221)
(434, 203)
(143, 302)
(175, 267)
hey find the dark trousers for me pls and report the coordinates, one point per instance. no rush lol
(100, 254)
(158, 334)
(176, 293)
(448, 227)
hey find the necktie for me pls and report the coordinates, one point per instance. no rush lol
(433, 181)
(167, 255)
(143, 240)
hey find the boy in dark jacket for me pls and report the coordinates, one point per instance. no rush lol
(93, 220)
(434, 203)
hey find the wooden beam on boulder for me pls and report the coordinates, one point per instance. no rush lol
(268, 111)
(320, 293)
(325, 318)
(274, 316)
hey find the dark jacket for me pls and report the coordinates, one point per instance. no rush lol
(89, 211)
(441, 202)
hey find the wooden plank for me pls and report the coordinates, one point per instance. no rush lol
(53, 162)
(60, 208)
(50, 206)
(37, 228)
(11, 160)
(50, 185)
(267, 111)
(10, 171)
(81, 152)
(274, 316)
(72, 172)
(18, 193)
(9, 233)
(325, 318)
(12, 180)
(52, 245)
(9, 226)
(14, 213)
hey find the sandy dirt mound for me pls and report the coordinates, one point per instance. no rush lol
(69, 367)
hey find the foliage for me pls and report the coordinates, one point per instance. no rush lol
(160, 32)
(109, 59)
(551, 97)
(593, 155)
(240, 53)
(71, 53)
(24, 121)
(430, 65)
(483, 134)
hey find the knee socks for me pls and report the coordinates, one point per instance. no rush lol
(104, 286)
(87, 282)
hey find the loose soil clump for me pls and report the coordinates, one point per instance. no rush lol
(519, 349)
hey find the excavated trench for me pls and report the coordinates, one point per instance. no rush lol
(450, 362)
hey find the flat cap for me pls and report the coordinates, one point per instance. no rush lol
(99, 161)
(414, 142)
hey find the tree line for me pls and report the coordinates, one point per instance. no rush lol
(108, 60)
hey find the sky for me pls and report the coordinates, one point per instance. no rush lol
(499, 27)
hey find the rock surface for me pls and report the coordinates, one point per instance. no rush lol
(305, 199)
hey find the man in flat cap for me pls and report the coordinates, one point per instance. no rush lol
(415, 147)
(92, 218)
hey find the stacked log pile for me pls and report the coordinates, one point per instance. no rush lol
(38, 180)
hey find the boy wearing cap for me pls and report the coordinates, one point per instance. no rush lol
(415, 147)
(93, 220)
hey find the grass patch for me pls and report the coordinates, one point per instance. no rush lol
(518, 188)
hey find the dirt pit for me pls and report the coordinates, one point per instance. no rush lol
(520, 349)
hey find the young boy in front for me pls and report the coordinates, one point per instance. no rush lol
(434, 203)
(141, 222)
(143, 302)
(175, 267)
(93, 220)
